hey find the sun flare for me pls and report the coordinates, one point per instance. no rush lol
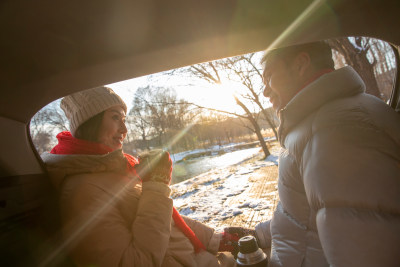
(218, 96)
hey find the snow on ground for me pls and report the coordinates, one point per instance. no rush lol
(206, 196)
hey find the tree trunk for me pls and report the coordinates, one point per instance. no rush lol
(267, 118)
(145, 143)
(247, 82)
(357, 58)
(257, 129)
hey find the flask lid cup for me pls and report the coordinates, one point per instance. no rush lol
(247, 244)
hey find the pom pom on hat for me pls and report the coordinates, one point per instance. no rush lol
(81, 106)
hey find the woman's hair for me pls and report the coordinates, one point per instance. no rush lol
(89, 130)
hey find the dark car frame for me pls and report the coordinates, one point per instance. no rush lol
(50, 49)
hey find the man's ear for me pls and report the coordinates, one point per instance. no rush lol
(303, 63)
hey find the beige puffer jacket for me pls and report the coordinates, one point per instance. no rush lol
(339, 178)
(111, 219)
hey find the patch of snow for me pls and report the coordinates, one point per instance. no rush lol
(214, 150)
(206, 197)
(271, 160)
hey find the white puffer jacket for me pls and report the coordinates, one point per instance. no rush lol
(339, 178)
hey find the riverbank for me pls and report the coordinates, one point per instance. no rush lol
(215, 150)
(190, 164)
(242, 194)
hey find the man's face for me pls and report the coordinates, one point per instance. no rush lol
(281, 82)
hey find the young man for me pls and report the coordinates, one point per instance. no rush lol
(339, 169)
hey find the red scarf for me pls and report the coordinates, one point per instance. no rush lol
(67, 144)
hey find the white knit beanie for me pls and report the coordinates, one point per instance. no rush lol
(81, 106)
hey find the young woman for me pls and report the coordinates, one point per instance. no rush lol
(116, 212)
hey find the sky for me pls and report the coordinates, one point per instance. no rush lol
(195, 91)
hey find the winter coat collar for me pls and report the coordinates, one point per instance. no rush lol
(60, 166)
(341, 83)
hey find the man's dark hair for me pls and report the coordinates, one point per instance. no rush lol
(320, 54)
(89, 130)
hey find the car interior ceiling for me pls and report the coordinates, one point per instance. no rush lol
(49, 51)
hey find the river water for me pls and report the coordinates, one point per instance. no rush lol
(187, 169)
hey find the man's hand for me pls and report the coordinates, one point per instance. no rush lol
(231, 236)
(240, 231)
(156, 166)
(229, 242)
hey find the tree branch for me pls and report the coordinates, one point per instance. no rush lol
(218, 110)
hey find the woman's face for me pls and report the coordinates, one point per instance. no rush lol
(112, 129)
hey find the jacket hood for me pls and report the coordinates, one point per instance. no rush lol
(60, 166)
(340, 83)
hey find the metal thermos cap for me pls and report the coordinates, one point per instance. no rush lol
(247, 244)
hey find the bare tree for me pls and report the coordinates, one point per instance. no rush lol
(157, 111)
(385, 67)
(250, 117)
(257, 129)
(371, 58)
(45, 125)
(242, 69)
(139, 116)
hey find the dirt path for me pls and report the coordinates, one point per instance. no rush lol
(263, 184)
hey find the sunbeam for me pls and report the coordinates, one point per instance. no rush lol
(295, 25)
(76, 234)
(179, 135)
(310, 10)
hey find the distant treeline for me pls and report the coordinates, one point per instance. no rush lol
(203, 134)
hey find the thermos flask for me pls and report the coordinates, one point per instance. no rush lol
(249, 254)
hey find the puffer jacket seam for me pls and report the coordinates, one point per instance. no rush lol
(361, 209)
(301, 161)
(301, 172)
(300, 164)
(376, 127)
(291, 218)
(84, 182)
(96, 186)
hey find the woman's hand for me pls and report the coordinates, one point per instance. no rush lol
(156, 166)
